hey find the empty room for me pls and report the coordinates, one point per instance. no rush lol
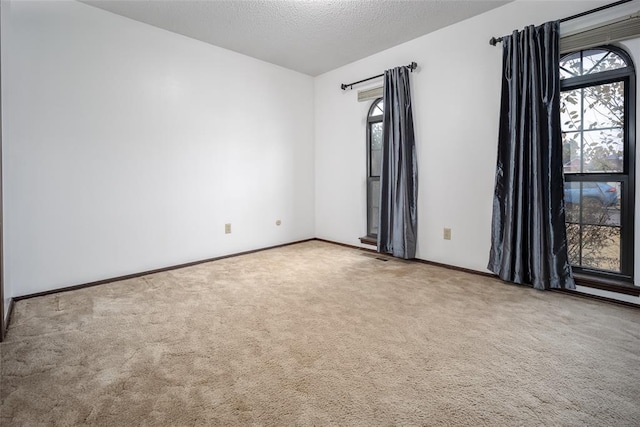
(319, 212)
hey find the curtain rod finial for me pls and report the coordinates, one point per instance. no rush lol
(493, 41)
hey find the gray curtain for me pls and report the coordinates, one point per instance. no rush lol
(528, 237)
(399, 175)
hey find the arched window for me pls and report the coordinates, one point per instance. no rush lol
(597, 110)
(374, 165)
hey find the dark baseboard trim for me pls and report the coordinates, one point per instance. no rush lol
(4, 323)
(8, 319)
(346, 245)
(456, 268)
(422, 261)
(189, 264)
(494, 276)
(145, 273)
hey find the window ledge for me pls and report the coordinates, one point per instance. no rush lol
(610, 285)
(366, 240)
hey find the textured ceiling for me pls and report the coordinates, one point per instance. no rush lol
(310, 36)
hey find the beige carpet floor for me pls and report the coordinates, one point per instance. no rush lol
(319, 334)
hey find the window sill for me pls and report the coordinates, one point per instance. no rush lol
(610, 285)
(371, 241)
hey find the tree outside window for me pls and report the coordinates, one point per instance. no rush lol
(597, 113)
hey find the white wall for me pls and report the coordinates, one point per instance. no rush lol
(456, 96)
(127, 148)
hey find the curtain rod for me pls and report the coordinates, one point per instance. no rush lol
(495, 40)
(343, 86)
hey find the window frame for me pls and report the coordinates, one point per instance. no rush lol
(627, 75)
(370, 121)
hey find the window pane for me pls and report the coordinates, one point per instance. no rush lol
(593, 224)
(601, 247)
(598, 60)
(571, 151)
(573, 243)
(593, 128)
(570, 107)
(570, 66)
(592, 202)
(376, 149)
(591, 61)
(378, 109)
(602, 151)
(374, 205)
(593, 151)
(603, 106)
(376, 136)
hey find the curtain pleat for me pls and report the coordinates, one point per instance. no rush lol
(528, 237)
(397, 230)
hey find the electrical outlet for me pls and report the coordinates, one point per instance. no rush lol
(447, 234)
(227, 228)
